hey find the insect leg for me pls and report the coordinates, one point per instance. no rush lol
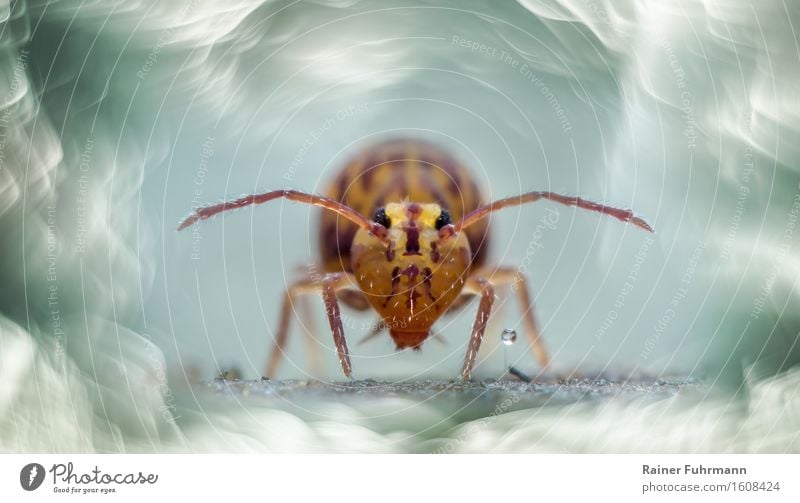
(302, 287)
(503, 275)
(482, 286)
(330, 283)
(312, 347)
(327, 286)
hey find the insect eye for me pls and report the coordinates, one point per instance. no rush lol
(381, 218)
(443, 219)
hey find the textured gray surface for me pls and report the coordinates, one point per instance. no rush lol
(587, 415)
(569, 389)
(466, 400)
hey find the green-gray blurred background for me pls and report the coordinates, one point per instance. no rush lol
(117, 118)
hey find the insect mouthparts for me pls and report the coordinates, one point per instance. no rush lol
(412, 239)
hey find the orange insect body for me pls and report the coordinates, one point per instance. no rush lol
(414, 281)
(405, 225)
(391, 172)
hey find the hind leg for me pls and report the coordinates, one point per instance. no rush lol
(307, 319)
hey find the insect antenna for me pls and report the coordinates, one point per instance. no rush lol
(529, 197)
(292, 195)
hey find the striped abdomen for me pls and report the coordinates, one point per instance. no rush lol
(392, 171)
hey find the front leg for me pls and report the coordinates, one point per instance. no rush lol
(477, 285)
(507, 275)
(328, 286)
(330, 283)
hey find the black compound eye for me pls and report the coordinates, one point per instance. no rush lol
(443, 219)
(380, 217)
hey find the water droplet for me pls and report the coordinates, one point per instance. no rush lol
(508, 336)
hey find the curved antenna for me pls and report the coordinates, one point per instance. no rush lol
(292, 195)
(529, 197)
